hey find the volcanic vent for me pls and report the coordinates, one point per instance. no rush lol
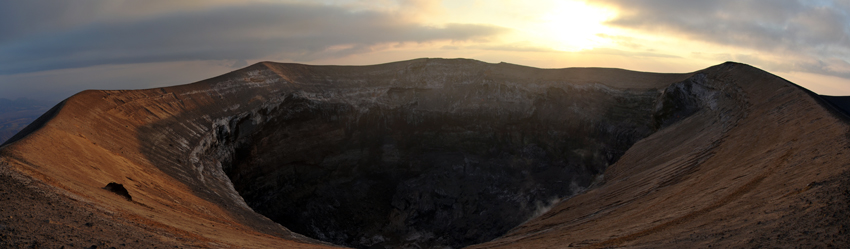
(434, 153)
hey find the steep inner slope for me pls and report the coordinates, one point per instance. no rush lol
(401, 175)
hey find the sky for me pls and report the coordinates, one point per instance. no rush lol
(51, 49)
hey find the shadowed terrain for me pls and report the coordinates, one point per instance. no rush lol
(17, 114)
(434, 153)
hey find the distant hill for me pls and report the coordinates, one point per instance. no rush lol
(17, 114)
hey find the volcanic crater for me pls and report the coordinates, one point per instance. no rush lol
(445, 153)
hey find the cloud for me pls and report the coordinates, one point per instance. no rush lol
(512, 47)
(55, 85)
(632, 54)
(815, 32)
(833, 67)
(239, 64)
(19, 19)
(295, 31)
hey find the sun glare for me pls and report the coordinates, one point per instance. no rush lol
(574, 25)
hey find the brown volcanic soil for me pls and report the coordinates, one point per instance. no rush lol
(737, 158)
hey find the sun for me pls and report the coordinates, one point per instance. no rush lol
(574, 25)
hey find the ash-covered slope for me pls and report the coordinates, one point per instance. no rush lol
(433, 153)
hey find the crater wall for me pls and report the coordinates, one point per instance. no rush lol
(432, 153)
(438, 153)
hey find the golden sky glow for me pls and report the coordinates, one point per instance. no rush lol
(113, 44)
(575, 26)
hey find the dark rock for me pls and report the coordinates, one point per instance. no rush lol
(118, 189)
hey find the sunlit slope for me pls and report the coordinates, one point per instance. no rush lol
(93, 138)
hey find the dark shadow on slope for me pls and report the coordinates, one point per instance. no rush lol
(37, 124)
(841, 103)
